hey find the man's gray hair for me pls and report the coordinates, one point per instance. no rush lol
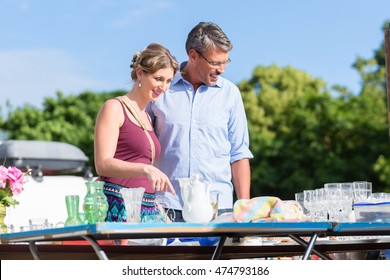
(207, 35)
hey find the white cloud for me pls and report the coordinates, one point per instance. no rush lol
(28, 76)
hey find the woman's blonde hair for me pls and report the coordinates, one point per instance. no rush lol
(152, 59)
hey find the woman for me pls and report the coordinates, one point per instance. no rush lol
(124, 151)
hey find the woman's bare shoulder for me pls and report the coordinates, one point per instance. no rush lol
(112, 110)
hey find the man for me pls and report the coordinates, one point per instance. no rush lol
(201, 123)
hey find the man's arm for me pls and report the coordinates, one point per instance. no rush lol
(241, 177)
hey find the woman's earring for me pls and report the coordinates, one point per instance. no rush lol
(139, 84)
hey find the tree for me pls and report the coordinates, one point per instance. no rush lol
(279, 133)
(303, 137)
(69, 119)
(373, 74)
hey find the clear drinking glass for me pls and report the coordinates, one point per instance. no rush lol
(346, 201)
(321, 213)
(38, 223)
(362, 190)
(309, 202)
(378, 197)
(332, 198)
(299, 197)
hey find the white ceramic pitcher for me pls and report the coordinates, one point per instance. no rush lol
(196, 197)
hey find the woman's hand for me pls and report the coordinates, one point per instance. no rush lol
(159, 180)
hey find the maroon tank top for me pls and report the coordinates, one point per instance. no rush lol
(133, 146)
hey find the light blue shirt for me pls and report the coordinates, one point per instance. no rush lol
(200, 133)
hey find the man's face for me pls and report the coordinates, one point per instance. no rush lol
(210, 64)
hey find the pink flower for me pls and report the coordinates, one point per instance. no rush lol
(16, 180)
(11, 183)
(3, 176)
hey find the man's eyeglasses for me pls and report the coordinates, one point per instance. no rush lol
(214, 63)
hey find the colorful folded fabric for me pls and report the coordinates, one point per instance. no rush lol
(267, 208)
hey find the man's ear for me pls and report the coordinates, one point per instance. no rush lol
(192, 54)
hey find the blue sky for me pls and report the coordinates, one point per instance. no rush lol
(77, 45)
